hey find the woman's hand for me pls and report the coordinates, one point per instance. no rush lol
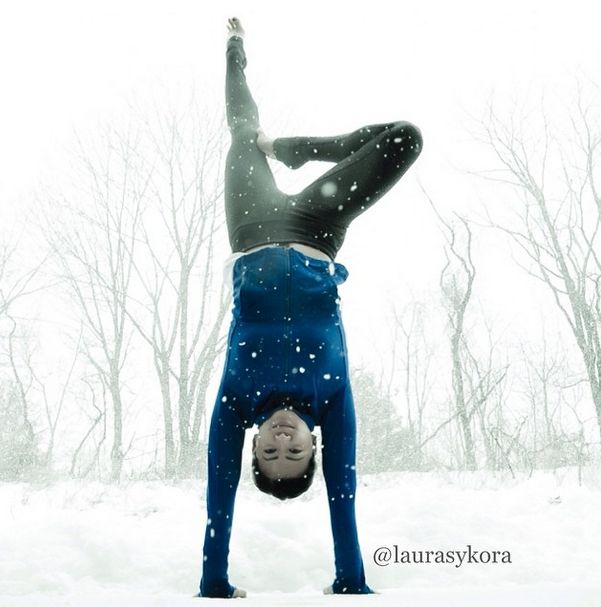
(235, 27)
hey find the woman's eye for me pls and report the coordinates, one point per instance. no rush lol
(268, 451)
(295, 450)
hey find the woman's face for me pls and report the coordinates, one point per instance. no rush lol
(283, 445)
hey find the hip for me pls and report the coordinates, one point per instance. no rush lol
(282, 284)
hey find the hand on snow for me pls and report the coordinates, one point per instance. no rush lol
(330, 590)
(235, 27)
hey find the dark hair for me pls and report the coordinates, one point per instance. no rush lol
(284, 488)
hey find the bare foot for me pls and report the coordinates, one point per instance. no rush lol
(235, 27)
(264, 143)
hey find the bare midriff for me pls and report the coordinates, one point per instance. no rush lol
(303, 248)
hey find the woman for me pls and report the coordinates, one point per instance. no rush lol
(286, 365)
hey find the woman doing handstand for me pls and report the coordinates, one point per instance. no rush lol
(286, 365)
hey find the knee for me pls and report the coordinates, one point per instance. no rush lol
(406, 137)
(243, 131)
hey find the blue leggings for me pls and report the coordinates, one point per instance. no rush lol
(369, 161)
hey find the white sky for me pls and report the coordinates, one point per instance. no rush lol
(315, 68)
(334, 64)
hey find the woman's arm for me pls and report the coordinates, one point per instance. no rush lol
(226, 439)
(338, 430)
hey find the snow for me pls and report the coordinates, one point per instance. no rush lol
(140, 543)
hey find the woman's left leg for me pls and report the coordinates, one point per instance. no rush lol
(249, 182)
(295, 151)
(370, 161)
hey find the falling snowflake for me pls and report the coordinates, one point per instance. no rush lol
(329, 188)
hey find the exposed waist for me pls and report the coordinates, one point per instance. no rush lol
(303, 248)
(293, 227)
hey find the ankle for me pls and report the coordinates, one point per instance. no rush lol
(236, 33)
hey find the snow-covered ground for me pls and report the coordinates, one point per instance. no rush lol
(140, 544)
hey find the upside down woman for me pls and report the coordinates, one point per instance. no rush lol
(286, 366)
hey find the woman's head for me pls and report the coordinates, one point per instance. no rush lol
(283, 461)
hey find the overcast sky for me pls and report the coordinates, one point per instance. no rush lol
(315, 68)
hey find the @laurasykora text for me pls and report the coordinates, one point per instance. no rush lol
(392, 555)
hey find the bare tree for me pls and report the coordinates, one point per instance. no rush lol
(52, 409)
(136, 246)
(92, 230)
(97, 419)
(18, 282)
(487, 383)
(472, 382)
(177, 273)
(554, 175)
(544, 397)
(456, 286)
(379, 424)
(557, 429)
(410, 359)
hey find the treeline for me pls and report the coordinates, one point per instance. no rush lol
(125, 248)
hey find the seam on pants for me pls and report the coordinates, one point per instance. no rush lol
(288, 317)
